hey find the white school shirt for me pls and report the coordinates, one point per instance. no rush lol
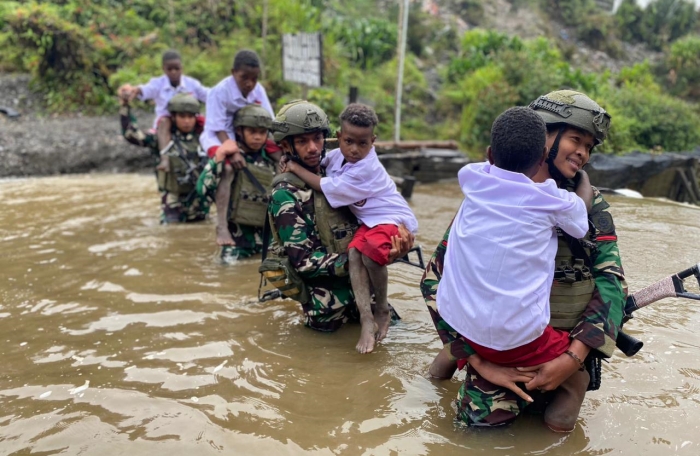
(161, 91)
(366, 188)
(224, 100)
(499, 262)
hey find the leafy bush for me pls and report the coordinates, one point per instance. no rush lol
(661, 22)
(683, 68)
(659, 120)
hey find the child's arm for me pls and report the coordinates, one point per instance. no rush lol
(584, 189)
(309, 178)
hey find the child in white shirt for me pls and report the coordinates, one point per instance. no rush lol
(161, 90)
(355, 178)
(499, 262)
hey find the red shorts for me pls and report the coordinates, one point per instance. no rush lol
(550, 345)
(375, 243)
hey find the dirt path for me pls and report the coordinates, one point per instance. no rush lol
(39, 146)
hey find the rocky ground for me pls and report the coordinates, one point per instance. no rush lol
(34, 145)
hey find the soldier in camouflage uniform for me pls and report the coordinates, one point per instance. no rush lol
(299, 218)
(179, 200)
(252, 124)
(587, 298)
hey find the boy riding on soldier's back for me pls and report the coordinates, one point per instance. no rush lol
(246, 210)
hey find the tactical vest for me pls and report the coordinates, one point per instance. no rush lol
(336, 228)
(182, 176)
(248, 203)
(572, 288)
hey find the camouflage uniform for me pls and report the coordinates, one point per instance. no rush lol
(175, 208)
(325, 274)
(247, 239)
(481, 403)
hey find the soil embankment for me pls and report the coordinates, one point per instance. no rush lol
(36, 145)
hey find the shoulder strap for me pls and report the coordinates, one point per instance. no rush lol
(254, 180)
(289, 178)
(577, 249)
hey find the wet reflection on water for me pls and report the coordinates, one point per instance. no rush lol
(122, 335)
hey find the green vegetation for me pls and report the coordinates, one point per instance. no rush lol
(80, 51)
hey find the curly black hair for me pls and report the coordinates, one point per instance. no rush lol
(518, 138)
(170, 55)
(244, 58)
(359, 115)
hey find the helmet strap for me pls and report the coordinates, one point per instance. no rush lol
(553, 171)
(297, 159)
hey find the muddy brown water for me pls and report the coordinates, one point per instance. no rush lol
(121, 336)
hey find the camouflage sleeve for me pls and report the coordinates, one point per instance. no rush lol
(131, 132)
(209, 179)
(299, 238)
(433, 272)
(603, 316)
(429, 285)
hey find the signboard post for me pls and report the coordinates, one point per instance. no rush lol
(302, 59)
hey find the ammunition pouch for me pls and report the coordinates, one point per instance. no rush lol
(336, 227)
(176, 179)
(248, 201)
(572, 289)
(279, 272)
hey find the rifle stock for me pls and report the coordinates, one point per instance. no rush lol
(668, 287)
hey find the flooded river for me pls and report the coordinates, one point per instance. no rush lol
(121, 336)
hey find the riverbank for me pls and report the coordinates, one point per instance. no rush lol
(37, 145)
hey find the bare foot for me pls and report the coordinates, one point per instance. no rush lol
(383, 319)
(223, 235)
(366, 342)
(164, 164)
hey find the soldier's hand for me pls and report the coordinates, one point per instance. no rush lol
(124, 94)
(401, 244)
(506, 377)
(550, 375)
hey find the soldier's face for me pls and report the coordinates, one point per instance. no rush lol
(173, 69)
(254, 137)
(355, 142)
(574, 150)
(185, 122)
(309, 147)
(246, 78)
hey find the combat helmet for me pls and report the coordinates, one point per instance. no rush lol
(297, 118)
(254, 116)
(568, 107)
(183, 102)
(575, 109)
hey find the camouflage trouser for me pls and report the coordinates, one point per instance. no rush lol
(479, 402)
(331, 307)
(247, 242)
(179, 209)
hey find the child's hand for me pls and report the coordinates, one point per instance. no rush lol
(229, 150)
(282, 164)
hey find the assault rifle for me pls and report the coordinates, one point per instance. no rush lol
(669, 287)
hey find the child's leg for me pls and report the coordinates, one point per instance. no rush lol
(379, 277)
(164, 136)
(359, 279)
(222, 197)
